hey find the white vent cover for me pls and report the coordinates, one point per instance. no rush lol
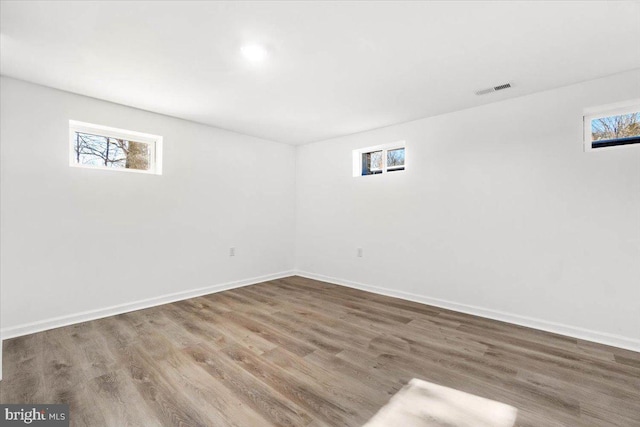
(494, 89)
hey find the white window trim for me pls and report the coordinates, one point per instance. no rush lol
(154, 141)
(594, 113)
(357, 158)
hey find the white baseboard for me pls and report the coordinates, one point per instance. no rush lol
(556, 328)
(57, 322)
(572, 331)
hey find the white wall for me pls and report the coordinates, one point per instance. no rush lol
(500, 213)
(76, 240)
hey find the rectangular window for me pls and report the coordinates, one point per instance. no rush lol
(379, 159)
(102, 147)
(372, 163)
(395, 159)
(609, 127)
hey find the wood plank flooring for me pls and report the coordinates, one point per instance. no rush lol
(298, 352)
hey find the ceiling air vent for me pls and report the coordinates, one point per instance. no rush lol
(494, 89)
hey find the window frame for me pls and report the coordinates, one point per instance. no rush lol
(153, 141)
(595, 113)
(388, 168)
(374, 171)
(358, 153)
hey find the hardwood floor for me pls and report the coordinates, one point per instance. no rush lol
(300, 352)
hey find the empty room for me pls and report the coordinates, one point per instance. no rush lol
(320, 213)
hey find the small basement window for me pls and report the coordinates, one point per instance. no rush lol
(612, 126)
(101, 147)
(379, 159)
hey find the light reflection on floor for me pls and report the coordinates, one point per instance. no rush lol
(424, 404)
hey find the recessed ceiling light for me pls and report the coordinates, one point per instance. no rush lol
(254, 52)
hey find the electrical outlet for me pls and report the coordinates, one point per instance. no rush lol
(359, 253)
(232, 251)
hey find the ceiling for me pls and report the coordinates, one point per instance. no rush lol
(333, 68)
